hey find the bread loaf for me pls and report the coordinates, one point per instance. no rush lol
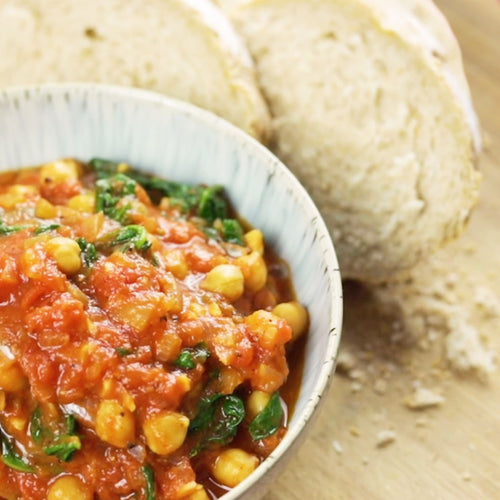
(183, 48)
(370, 108)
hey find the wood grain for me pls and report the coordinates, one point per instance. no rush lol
(450, 452)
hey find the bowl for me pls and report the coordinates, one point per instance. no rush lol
(176, 140)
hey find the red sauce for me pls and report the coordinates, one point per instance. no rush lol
(115, 331)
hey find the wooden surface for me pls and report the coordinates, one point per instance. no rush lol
(451, 451)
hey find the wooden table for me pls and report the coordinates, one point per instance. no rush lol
(450, 451)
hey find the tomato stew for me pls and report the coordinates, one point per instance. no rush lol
(144, 335)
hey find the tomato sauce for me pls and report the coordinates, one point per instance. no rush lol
(143, 338)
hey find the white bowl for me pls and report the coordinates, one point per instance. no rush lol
(181, 142)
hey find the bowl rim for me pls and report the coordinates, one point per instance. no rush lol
(20, 93)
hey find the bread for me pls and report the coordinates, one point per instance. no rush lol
(184, 48)
(371, 110)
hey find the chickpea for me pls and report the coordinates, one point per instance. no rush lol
(82, 203)
(296, 316)
(114, 423)
(226, 279)
(12, 377)
(165, 431)
(60, 171)
(200, 494)
(255, 240)
(192, 491)
(254, 270)
(44, 209)
(66, 253)
(68, 488)
(233, 465)
(256, 402)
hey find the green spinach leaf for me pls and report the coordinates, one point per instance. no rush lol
(189, 356)
(64, 447)
(37, 430)
(89, 251)
(149, 478)
(132, 236)
(10, 458)
(46, 228)
(217, 421)
(66, 444)
(232, 232)
(268, 421)
(5, 230)
(212, 204)
(110, 192)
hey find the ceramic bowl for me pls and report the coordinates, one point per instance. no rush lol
(183, 143)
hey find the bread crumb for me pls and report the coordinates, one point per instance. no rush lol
(358, 375)
(380, 386)
(365, 461)
(464, 349)
(385, 437)
(346, 362)
(354, 431)
(487, 301)
(337, 447)
(356, 386)
(422, 422)
(423, 398)
(466, 476)
(447, 312)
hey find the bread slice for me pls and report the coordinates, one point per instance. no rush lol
(370, 108)
(186, 49)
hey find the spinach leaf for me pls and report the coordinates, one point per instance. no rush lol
(36, 427)
(123, 351)
(5, 230)
(185, 360)
(181, 194)
(89, 251)
(64, 447)
(205, 413)
(268, 421)
(103, 168)
(149, 477)
(189, 356)
(208, 203)
(110, 191)
(217, 421)
(66, 444)
(212, 204)
(131, 236)
(135, 235)
(185, 196)
(232, 232)
(46, 228)
(70, 424)
(9, 457)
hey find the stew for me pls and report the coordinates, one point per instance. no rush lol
(144, 334)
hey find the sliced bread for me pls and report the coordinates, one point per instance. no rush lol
(183, 48)
(370, 108)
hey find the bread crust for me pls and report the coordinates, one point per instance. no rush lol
(390, 193)
(127, 38)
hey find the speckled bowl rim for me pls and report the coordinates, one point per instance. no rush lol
(297, 432)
